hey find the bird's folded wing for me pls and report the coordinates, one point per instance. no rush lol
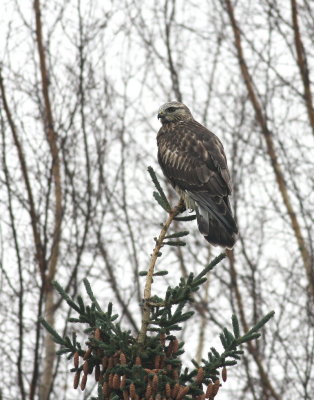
(193, 158)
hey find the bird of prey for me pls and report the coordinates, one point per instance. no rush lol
(193, 160)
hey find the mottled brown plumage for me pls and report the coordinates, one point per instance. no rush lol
(193, 160)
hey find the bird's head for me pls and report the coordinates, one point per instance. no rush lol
(174, 112)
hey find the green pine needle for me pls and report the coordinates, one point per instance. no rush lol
(197, 283)
(215, 352)
(109, 309)
(81, 304)
(62, 351)
(91, 294)
(159, 188)
(65, 296)
(187, 218)
(75, 320)
(228, 363)
(161, 201)
(177, 234)
(262, 322)
(223, 341)
(184, 317)
(177, 243)
(235, 326)
(229, 336)
(211, 265)
(56, 337)
(160, 273)
(248, 337)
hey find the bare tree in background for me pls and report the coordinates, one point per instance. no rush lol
(58, 195)
(80, 86)
(258, 97)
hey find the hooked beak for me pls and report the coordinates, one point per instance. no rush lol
(161, 115)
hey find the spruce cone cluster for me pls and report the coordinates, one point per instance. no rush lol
(149, 376)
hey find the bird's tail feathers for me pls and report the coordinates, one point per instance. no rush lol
(214, 232)
(218, 207)
(215, 222)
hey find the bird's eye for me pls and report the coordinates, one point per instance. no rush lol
(171, 109)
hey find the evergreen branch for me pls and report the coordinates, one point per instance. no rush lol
(123, 356)
(230, 344)
(149, 278)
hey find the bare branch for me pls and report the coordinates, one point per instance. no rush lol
(248, 80)
(302, 63)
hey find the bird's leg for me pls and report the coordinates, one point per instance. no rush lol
(181, 207)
